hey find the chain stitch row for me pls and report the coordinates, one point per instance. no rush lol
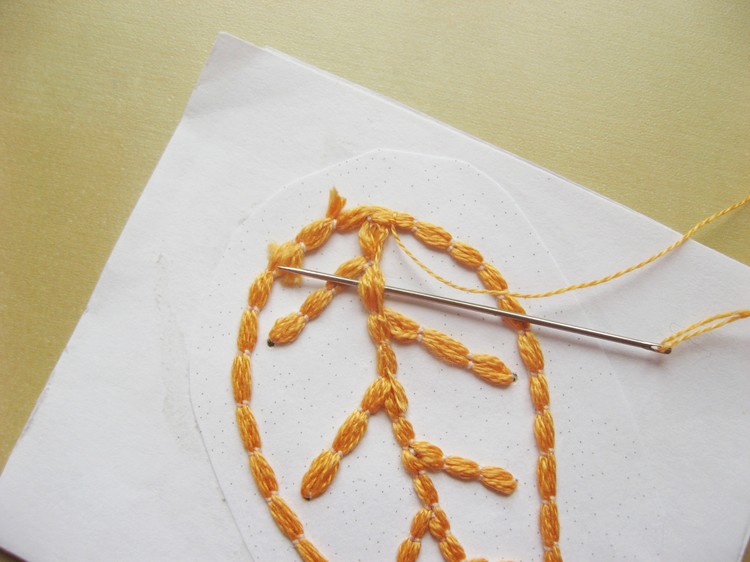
(374, 224)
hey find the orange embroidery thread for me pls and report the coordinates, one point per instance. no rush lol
(375, 224)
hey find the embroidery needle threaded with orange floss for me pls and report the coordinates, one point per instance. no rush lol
(385, 326)
(650, 346)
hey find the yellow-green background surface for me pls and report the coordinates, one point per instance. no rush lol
(645, 102)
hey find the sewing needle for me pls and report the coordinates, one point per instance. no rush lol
(649, 346)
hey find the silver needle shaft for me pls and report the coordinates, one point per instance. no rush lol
(650, 346)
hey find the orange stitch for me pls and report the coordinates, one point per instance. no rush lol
(375, 396)
(410, 547)
(429, 454)
(351, 432)
(403, 431)
(539, 391)
(410, 461)
(444, 348)
(492, 370)
(388, 218)
(323, 469)
(248, 334)
(463, 469)
(263, 474)
(353, 218)
(466, 255)
(287, 329)
(259, 290)
(248, 428)
(448, 350)
(432, 236)
(385, 325)
(308, 552)
(285, 518)
(241, 379)
(288, 254)
(320, 475)
(498, 479)
(491, 278)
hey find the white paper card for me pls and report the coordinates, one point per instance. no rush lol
(112, 465)
(303, 392)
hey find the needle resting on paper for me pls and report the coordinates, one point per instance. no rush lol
(649, 346)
